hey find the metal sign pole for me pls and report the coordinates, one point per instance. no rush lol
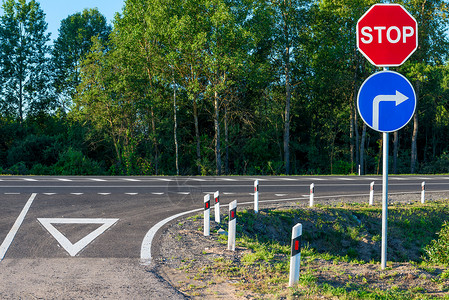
(383, 263)
(384, 201)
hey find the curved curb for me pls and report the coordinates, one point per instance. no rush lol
(145, 250)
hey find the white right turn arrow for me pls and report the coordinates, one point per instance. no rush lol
(398, 98)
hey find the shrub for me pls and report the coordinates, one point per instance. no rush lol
(438, 250)
(73, 162)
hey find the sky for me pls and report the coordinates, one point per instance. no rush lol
(57, 10)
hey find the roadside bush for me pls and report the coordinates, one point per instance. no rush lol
(34, 149)
(438, 250)
(73, 162)
(18, 169)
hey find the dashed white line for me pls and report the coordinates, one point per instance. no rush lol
(12, 233)
(345, 178)
(29, 179)
(228, 179)
(164, 179)
(157, 193)
(64, 179)
(184, 193)
(280, 195)
(76, 194)
(398, 178)
(132, 194)
(12, 193)
(197, 179)
(49, 194)
(131, 179)
(104, 194)
(97, 179)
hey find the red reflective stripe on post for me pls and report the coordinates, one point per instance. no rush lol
(296, 245)
(232, 214)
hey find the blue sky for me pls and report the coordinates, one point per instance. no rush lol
(57, 10)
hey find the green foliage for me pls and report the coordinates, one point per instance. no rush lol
(438, 250)
(220, 73)
(73, 162)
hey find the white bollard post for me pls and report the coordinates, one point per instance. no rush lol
(232, 225)
(217, 206)
(360, 171)
(423, 192)
(256, 196)
(207, 215)
(371, 194)
(295, 259)
(312, 192)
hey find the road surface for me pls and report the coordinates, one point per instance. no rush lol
(81, 237)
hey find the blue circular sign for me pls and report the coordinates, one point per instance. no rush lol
(386, 101)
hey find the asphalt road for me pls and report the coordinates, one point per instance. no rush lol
(71, 219)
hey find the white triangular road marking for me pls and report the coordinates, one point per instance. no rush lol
(74, 249)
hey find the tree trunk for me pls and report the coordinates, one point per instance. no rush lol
(20, 102)
(362, 150)
(217, 135)
(226, 140)
(287, 98)
(197, 135)
(175, 129)
(414, 153)
(395, 151)
(156, 148)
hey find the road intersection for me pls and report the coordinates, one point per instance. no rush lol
(110, 218)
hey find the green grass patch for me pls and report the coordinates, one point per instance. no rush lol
(341, 252)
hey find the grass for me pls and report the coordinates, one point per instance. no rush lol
(338, 242)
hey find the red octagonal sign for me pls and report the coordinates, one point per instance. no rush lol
(387, 35)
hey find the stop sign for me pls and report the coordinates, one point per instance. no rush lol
(387, 35)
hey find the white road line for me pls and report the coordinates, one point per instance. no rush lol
(164, 179)
(49, 194)
(398, 178)
(132, 194)
(288, 179)
(97, 179)
(424, 178)
(314, 178)
(29, 179)
(228, 193)
(280, 195)
(12, 233)
(344, 178)
(104, 194)
(131, 179)
(228, 179)
(184, 193)
(197, 179)
(145, 249)
(64, 179)
(76, 194)
(157, 193)
(12, 193)
(74, 249)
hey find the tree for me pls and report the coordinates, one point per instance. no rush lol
(432, 19)
(24, 60)
(71, 47)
